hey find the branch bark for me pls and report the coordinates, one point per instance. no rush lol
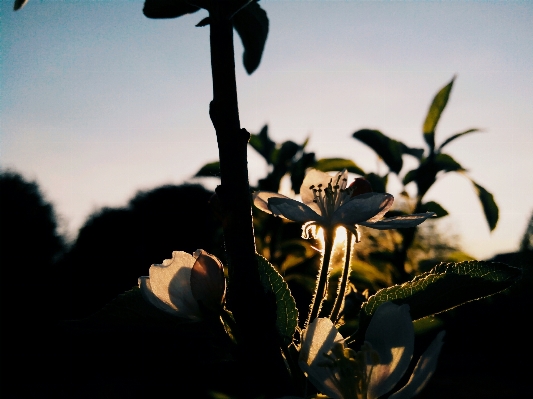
(254, 311)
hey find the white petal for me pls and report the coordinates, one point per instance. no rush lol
(313, 178)
(261, 199)
(148, 295)
(362, 208)
(292, 210)
(391, 335)
(399, 222)
(318, 339)
(425, 367)
(170, 284)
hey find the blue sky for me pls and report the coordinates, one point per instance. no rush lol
(98, 101)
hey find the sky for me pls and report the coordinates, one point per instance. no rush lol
(98, 102)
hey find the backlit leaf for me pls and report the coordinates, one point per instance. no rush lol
(435, 110)
(286, 313)
(446, 286)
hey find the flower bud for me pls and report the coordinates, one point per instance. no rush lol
(208, 284)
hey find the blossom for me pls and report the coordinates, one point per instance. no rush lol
(185, 283)
(328, 201)
(342, 373)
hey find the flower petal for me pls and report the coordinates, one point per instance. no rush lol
(318, 339)
(261, 199)
(208, 284)
(292, 210)
(363, 208)
(424, 369)
(399, 222)
(313, 178)
(170, 284)
(391, 335)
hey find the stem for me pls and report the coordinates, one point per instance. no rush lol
(254, 312)
(344, 279)
(322, 285)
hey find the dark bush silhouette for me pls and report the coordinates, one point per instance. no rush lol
(117, 245)
(29, 244)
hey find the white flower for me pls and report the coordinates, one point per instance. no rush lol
(328, 202)
(179, 284)
(342, 373)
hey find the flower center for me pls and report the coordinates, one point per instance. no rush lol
(330, 198)
(351, 369)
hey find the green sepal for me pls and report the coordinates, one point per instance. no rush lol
(435, 110)
(251, 23)
(337, 164)
(211, 169)
(286, 311)
(444, 287)
(489, 205)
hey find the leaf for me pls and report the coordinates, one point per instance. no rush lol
(415, 152)
(157, 9)
(450, 139)
(489, 205)
(282, 158)
(434, 113)
(377, 182)
(204, 22)
(446, 286)
(251, 23)
(19, 4)
(286, 312)
(432, 206)
(211, 169)
(389, 150)
(298, 169)
(337, 164)
(410, 176)
(444, 162)
(263, 144)
(426, 174)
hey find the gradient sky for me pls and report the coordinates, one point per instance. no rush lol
(98, 101)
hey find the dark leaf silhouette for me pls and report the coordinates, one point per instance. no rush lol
(251, 23)
(159, 9)
(489, 205)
